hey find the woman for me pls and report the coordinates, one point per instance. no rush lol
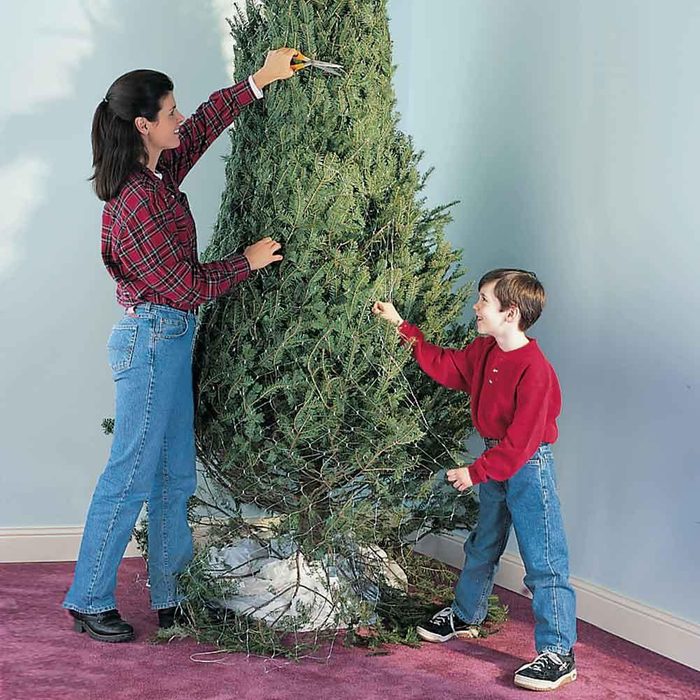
(142, 150)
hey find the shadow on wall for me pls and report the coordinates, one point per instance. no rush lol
(501, 199)
(56, 300)
(483, 136)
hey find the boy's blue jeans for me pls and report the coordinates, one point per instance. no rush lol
(528, 501)
(152, 459)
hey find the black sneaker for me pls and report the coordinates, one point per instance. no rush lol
(173, 617)
(547, 672)
(445, 625)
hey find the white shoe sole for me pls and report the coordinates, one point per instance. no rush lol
(469, 633)
(534, 684)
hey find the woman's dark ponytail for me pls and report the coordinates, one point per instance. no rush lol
(117, 146)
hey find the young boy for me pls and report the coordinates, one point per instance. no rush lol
(515, 401)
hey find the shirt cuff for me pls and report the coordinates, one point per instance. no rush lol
(408, 332)
(240, 260)
(477, 475)
(256, 90)
(246, 264)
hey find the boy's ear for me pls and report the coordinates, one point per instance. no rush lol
(513, 314)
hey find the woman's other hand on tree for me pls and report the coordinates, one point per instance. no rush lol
(262, 253)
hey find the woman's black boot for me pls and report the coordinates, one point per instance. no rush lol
(106, 626)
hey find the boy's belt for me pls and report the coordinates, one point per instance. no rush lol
(492, 442)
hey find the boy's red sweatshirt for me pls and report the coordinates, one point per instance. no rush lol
(515, 396)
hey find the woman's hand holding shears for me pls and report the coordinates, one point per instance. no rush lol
(300, 61)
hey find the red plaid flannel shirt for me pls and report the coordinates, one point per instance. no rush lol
(149, 240)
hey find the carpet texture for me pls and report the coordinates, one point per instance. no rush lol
(43, 659)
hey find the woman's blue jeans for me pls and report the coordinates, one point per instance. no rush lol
(528, 501)
(152, 459)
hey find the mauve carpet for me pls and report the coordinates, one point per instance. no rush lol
(42, 658)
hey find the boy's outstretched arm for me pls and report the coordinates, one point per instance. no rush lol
(451, 368)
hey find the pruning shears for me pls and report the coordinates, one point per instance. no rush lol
(300, 61)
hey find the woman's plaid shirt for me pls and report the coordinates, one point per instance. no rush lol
(149, 240)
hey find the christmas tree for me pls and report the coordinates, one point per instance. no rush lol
(307, 407)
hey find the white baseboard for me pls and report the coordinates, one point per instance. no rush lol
(30, 544)
(648, 627)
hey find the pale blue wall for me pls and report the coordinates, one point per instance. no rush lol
(570, 131)
(57, 60)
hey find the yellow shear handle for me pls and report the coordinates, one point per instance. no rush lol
(299, 61)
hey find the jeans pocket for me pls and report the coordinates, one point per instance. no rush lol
(171, 327)
(120, 347)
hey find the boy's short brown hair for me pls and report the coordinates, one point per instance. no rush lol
(518, 288)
